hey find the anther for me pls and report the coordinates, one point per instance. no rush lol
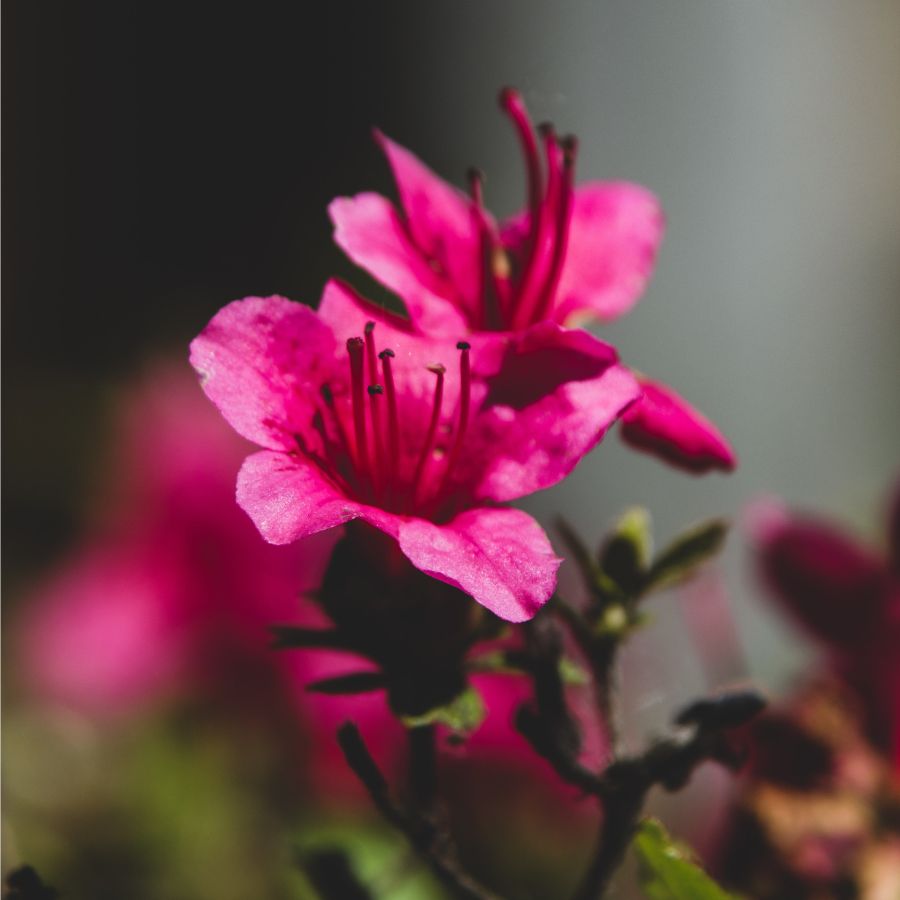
(370, 327)
(375, 390)
(437, 368)
(463, 345)
(386, 354)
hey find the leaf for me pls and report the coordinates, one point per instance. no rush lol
(626, 553)
(595, 578)
(464, 713)
(352, 683)
(667, 871)
(691, 548)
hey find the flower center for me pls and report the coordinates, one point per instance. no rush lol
(373, 447)
(517, 300)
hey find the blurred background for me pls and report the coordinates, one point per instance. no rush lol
(161, 160)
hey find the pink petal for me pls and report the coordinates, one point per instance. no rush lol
(664, 424)
(440, 221)
(288, 497)
(500, 556)
(368, 229)
(262, 361)
(550, 401)
(615, 231)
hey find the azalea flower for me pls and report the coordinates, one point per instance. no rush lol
(575, 253)
(362, 419)
(847, 596)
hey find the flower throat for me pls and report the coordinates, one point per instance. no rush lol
(366, 459)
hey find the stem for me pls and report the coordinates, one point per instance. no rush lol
(423, 769)
(428, 842)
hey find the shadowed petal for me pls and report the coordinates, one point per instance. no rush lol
(502, 557)
(664, 424)
(440, 221)
(369, 230)
(551, 400)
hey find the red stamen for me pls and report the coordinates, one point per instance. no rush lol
(539, 260)
(465, 391)
(374, 409)
(339, 457)
(561, 237)
(393, 430)
(512, 104)
(494, 286)
(428, 446)
(356, 348)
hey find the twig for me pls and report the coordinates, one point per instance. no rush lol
(427, 841)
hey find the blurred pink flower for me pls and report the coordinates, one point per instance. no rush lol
(173, 590)
(575, 253)
(847, 596)
(384, 437)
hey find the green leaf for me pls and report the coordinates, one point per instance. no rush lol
(626, 553)
(691, 548)
(464, 713)
(353, 683)
(667, 870)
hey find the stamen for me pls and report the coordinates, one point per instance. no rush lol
(494, 282)
(393, 428)
(540, 258)
(356, 348)
(512, 104)
(328, 397)
(374, 408)
(561, 237)
(428, 446)
(465, 391)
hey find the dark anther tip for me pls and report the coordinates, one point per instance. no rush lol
(463, 345)
(386, 354)
(374, 389)
(370, 327)
(355, 343)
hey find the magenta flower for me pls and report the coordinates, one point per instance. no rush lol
(361, 418)
(575, 253)
(847, 596)
(172, 593)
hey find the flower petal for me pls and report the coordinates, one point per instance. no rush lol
(262, 360)
(369, 230)
(666, 425)
(614, 233)
(550, 400)
(441, 221)
(288, 497)
(502, 557)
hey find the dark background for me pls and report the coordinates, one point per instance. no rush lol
(160, 160)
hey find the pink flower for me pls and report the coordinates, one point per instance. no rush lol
(847, 596)
(574, 253)
(362, 419)
(173, 592)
